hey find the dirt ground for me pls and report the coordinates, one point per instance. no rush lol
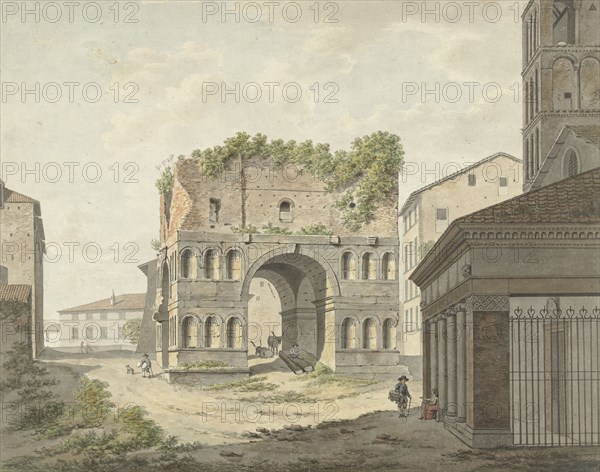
(219, 417)
(288, 423)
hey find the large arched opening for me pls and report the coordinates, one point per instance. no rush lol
(301, 290)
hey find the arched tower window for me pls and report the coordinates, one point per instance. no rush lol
(589, 78)
(211, 332)
(369, 267)
(211, 264)
(348, 340)
(571, 164)
(189, 332)
(348, 266)
(388, 266)
(233, 265)
(389, 334)
(234, 333)
(285, 211)
(188, 264)
(369, 334)
(564, 85)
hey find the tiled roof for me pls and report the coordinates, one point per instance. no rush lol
(10, 196)
(17, 293)
(572, 200)
(413, 195)
(127, 301)
(589, 133)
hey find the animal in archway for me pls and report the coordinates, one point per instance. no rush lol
(273, 342)
(262, 352)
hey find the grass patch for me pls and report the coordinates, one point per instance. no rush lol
(208, 364)
(281, 397)
(324, 376)
(251, 384)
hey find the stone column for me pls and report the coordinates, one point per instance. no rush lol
(451, 361)
(433, 356)
(442, 372)
(461, 363)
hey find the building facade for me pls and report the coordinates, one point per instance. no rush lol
(511, 293)
(98, 324)
(22, 252)
(428, 212)
(338, 294)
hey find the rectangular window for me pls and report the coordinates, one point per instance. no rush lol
(74, 332)
(472, 180)
(89, 316)
(103, 316)
(215, 208)
(441, 219)
(503, 186)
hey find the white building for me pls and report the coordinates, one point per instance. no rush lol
(99, 324)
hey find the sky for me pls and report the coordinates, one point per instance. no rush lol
(96, 95)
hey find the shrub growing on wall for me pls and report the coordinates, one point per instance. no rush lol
(365, 176)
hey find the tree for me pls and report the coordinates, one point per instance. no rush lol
(131, 330)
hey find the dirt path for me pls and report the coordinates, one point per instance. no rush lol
(220, 417)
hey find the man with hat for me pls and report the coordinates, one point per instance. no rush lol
(402, 390)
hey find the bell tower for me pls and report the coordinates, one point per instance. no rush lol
(561, 74)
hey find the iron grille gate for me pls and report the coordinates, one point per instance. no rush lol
(555, 376)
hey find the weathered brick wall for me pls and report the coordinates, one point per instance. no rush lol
(251, 193)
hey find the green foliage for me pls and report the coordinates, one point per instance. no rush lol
(93, 399)
(250, 229)
(145, 432)
(251, 384)
(26, 382)
(131, 330)
(318, 229)
(366, 175)
(270, 229)
(206, 364)
(281, 397)
(165, 182)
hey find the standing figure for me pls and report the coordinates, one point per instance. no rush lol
(82, 347)
(146, 366)
(404, 395)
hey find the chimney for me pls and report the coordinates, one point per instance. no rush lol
(112, 298)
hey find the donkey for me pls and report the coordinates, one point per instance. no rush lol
(262, 352)
(274, 342)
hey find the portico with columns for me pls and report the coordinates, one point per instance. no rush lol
(485, 270)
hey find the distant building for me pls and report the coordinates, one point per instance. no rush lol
(99, 324)
(427, 213)
(22, 252)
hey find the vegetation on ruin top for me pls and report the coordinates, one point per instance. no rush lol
(366, 175)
